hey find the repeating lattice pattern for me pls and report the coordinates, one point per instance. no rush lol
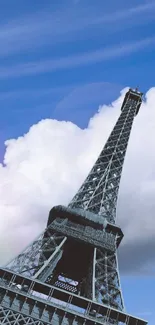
(33, 260)
(18, 309)
(107, 283)
(10, 317)
(100, 189)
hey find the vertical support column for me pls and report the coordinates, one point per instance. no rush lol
(94, 278)
(108, 289)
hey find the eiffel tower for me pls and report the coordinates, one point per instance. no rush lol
(69, 274)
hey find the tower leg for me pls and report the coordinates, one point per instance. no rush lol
(107, 284)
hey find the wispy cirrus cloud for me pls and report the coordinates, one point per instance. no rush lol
(128, 13)
(68, 62)
(34, 93)
(32, 31)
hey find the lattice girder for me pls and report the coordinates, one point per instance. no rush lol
(36, 254)
(100, 190)
(107, 282)
(42, 304)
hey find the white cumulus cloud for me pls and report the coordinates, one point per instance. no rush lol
(46, 166)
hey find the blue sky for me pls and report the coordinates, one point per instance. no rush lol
(61, 60)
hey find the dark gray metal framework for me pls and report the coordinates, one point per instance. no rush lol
(69, 274)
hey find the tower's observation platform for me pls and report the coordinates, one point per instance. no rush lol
(85, 226)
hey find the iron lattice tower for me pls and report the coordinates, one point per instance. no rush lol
(69, 274)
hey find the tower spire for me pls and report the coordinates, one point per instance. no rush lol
(98, 193)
